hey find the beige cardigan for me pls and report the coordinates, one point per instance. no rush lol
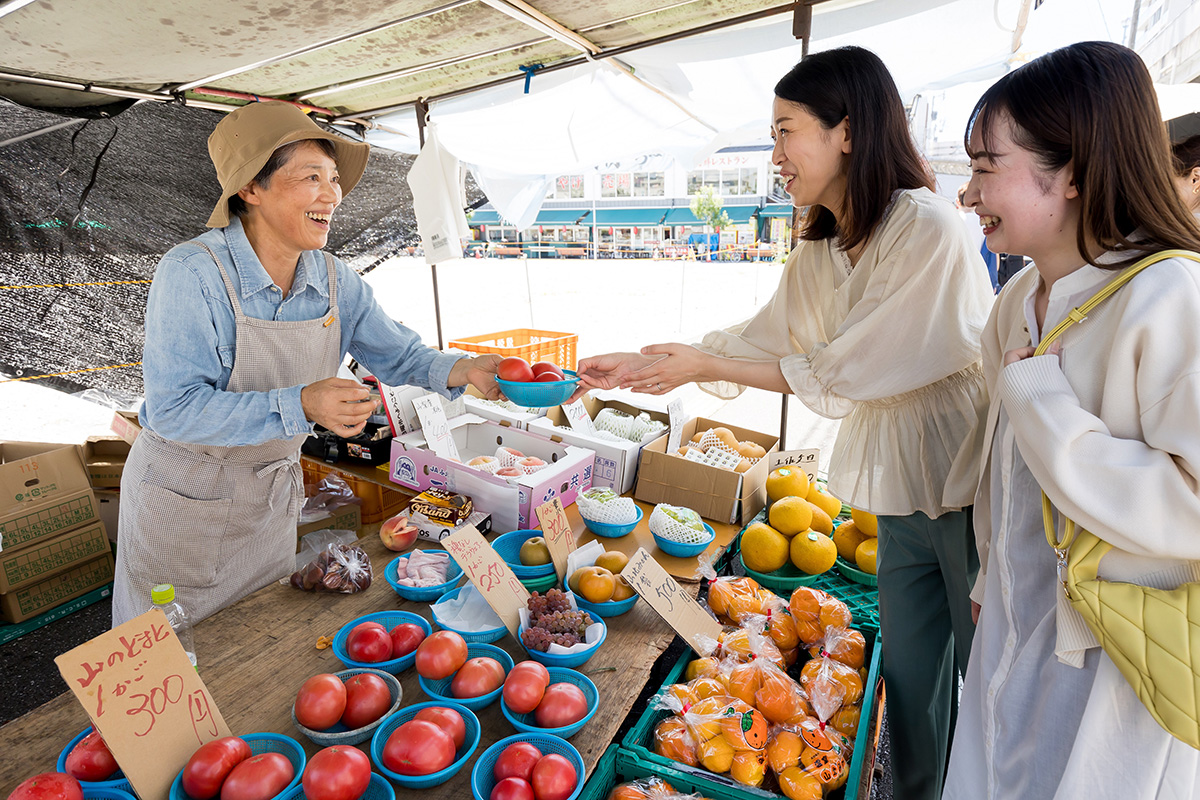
(892, 346)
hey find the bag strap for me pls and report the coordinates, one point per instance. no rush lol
(1076, 315)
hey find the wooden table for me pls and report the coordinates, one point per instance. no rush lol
(254, 655)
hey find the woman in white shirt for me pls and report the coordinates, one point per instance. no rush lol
(1106, 425)
(876, 321)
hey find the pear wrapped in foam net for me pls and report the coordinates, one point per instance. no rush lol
(618, 423)
(600, 504)
(678, 524)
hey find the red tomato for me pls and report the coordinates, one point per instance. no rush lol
(367, 699)
(48, 786)
(477, 677)
(210, 764)
(369, 643)
(562, 704)
(517, 761)
(514, 369)
(441, 655)
(554, 778)
(512, 789)
(90, 760)
(259, 777)
(418, 748)
(545, 366)
(524, 686)
(405, 638)
(449, 720)
(547, 377)
(320, 702)
(337, 773)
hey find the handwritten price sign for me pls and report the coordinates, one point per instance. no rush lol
(801, 459)
(579, 418)
(670, 601)
(491, 576)
(141, 692)
(435, 426)
(556, 529)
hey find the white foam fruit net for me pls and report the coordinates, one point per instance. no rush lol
(626, 427)
(488, 464)
(508, 456)
(714, 451)
(604, 505)
(678, 524)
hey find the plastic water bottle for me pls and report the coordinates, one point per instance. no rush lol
(163, 596)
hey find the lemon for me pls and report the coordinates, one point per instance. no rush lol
(823, 500)
(813, 552)
(786, 482)
(848, 537)
(764, 549)
(865, 555)
(821, 522)
(790, 515)
(866, 521)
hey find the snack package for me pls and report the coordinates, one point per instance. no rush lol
(340, 568)
(441, 506)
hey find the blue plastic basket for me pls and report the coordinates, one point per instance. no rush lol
(440, 689)
(527, 723)
(389, 620)
(425, 781)
(377, 789)
(610, 531)
(483, 779)
(609, 609)
(422, 593)
(117, 781)
(93, 792)
(508, 547)
(477, 637)
(339, 733)
(539, 394)
(260, 743)
(682, 549)
(573, 659)
(542, 584)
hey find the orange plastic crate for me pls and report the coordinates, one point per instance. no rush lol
(531, 345)
(378, 502)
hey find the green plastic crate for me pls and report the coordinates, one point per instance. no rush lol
(638, 742)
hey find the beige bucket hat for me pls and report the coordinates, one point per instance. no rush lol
(243, 141)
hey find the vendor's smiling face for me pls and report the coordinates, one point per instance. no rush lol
(297, 204)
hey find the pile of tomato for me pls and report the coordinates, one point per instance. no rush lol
(523, 773)
(325, 700)
(528, 690)
(427, 743)
(371, 643)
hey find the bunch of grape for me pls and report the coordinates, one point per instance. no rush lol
(553, 621)
(541, 639)
(552, 601)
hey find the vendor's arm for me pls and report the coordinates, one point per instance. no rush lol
(183, 363)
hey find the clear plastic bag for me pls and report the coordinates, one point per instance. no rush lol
(330, 493)
(344, 569)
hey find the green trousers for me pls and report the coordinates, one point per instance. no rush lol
(926, 570)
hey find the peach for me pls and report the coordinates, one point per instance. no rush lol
(531, 461)
(396, 534)
(509, 472)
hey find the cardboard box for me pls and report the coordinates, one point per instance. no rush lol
(38, 561)
(616, 462)
(44, 491)
(109, 503)
(105, 458)
(343, 518)
(40, 597)
(477, 405)
(568, 471)
(717, 494)
(125, 424)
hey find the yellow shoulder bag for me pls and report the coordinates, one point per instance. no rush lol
(1152, 635)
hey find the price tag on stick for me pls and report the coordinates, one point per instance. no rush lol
(435, 426)
(491, 576)
(556, 529)
(670, 601)
(675, 415)
(141, 692)
(801, 459)
(578, 417)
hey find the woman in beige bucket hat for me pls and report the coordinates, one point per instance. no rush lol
(246, 327)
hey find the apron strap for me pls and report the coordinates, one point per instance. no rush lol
(233, 298)
(331, 268)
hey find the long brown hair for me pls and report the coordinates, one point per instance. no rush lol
(1092, 105)
(853, 83)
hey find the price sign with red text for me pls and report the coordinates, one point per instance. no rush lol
(491, 576)
(141, 692)
(664, 594)
(556, 530)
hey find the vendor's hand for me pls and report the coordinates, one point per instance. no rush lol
(607, 371)
(339, 404)
(975, 609)
(673, 365)
(1022, 353)
(480, 372)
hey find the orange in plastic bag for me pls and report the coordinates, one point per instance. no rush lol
(643, 789)
(704, 718)
(796, 784)
(737, 644)
(683, 693)
(828, 768)
(744, 680)
(842, 644)
(845, 720)
(749, 767)
(701, 668)
(703, 688)
(813, 611)
(824, 676)
(672, 740)
(716, 755)
(721, 590)
(779, 698)
(783, 750)
(744, 726)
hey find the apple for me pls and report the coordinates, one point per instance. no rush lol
(514, 369)
(543, 367)
(396, 534)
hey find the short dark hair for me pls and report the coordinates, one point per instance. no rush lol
(853, 83)
(1186, 155)
(278, 158)
(1061, 109)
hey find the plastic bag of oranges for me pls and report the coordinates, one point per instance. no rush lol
(842, 644)
(769, 689)
(813, 611)
(729, 595)
(830, 685)
(738, 644)
(652, 788)
(673, 740)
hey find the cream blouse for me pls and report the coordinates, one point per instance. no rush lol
(892, 346)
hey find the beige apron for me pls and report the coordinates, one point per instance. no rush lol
(220, 522)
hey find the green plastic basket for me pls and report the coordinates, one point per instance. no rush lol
(782, 581)
(852, 573)
(639, 741)
(617, 765)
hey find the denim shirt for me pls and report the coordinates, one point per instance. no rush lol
(190, 341)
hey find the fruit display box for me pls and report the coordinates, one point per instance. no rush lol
(568, 470)
(616, 462)
(620, 766)
(639, 741)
